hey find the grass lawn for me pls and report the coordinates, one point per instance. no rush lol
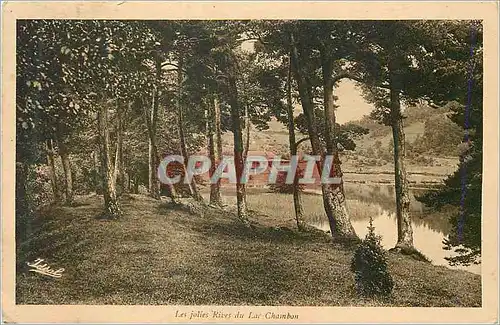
(159, 254)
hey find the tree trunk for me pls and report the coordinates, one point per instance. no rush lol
(192, 188)
(151, 121)
(129, 183)
(68, 177)
(24, 211)
(112, 210)
(247, 133)
(154, 187)
(52, 171)
(306, 97)
(238, 144)
(136, 184)
(97, 179)
(405, 232)
(214, 149)
(118, 175)
(297, 200)
(335, 194)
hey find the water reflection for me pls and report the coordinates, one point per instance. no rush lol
(378, 201)
(364, 200)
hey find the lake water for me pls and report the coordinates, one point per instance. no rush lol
(363, 201)
(429, 229)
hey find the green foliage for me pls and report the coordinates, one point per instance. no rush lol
(369, 265)
(345, 133)
(463, 189)
(465, 236)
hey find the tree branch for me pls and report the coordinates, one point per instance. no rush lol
(164, 64)
(347, 75)
(300, 141)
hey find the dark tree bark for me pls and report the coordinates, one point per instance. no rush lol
(119, 176)
(52, 171)
(119, 170)
(238, 142)
(24, 211)
(193, 189)
(335, 192)
(297, 200)
(151, 122)
(111, 208)
(136, 184)
(153, 188)
(68, 177)
(306, 97)
(97, 178)
(247, 133)
(129, 183)
(214, 148)
(405, 231)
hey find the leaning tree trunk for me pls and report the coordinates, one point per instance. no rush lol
(52, 171)
(68, 177)
(112, 210)
(405, 232)
(192, 188)
(335, 194)
(214, 149)
(297, 200)
(238, 145)
(337, 227)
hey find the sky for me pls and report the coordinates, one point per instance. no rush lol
(352, 105)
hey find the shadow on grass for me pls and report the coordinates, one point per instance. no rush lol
(235, 229)
(256, 279)
(77, 204)
(411, 252)
(165, 208)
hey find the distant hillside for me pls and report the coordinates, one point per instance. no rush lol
(431, 143)
(428, 131)
(274, 139)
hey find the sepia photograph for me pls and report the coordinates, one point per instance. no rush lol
(250, 162)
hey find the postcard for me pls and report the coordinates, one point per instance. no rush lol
(249, 162)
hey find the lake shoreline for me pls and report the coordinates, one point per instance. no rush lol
(160, 255)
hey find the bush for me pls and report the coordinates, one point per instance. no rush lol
(369, 265)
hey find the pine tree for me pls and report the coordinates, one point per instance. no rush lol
(369, 265)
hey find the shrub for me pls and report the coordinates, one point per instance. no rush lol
(369, 265)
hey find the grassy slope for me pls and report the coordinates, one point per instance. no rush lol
(159, 255)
